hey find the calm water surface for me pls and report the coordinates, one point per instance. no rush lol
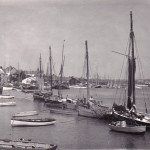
(71, 132)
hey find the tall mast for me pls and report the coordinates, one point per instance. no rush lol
(133, 58)
(62, 63)
(40, 67)
(18, 73)
(61, 69)
(87, 61)
(131, 68)
(50, 61)
(97, 79)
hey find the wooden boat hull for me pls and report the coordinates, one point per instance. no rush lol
(26, 113)
(143, 121)
(6, 97)
(31, 122)
(82, 111)
(62, 87)
(100, 110)
(25, 144)
(7, 104)
(54, 103)
(7, 88)
(71, 106)
(39, 97)
(62, 111)
(98, 86)
(29, 90)
(69, 103)
(128, 129)
(94, 111)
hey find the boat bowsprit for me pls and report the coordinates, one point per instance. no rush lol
(32, 122)
(6, 144)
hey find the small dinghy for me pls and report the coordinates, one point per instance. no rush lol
(7, 88)
(122, 126)
(25, 113)
(25, 144)
(32, 122)
(7, 104)
(6, 97)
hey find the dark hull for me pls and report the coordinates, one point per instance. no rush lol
(4, 148)
(38, 97)
(135, 133)
(28, 91)
(62, 87)
(54, 104)
(98, 86)
(25, 144)
(1, 90)
(130, 119)
(41, 96)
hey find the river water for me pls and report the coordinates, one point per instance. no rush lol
(71, 132)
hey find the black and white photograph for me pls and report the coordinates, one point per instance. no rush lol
(74, 74)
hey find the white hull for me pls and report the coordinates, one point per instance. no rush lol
(26, 113)
(28, 123)
(86, 112)
(78, 87)
(6, 97)
(128, 129)
(7, 104)
(7, 88)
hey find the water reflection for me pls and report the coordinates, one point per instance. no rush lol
(69, 132)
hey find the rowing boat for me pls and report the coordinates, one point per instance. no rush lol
(7, 104)
(32, 122)
(25, 113)
(6, 144)
(6, 97)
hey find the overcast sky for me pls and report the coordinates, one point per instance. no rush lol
(29, 27)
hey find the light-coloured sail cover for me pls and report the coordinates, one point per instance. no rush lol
(29, 80)
(1, 71)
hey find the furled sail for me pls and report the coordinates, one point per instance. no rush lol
(131, 74)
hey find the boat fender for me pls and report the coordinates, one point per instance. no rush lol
(123, 124)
